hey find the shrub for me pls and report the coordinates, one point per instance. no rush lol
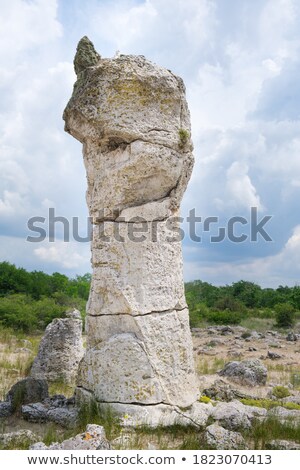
(246, 335)
(229, 303)
(285, 315)
(263, 313)
(268, 403)
(197, 314)
(225, 318)
(204, 399)
(183, 137)
(280, 392)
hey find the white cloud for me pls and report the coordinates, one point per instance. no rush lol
(64, 255)
(269, 271)
(240, 62)
(239, 187)
(12, 204)
(27, 24)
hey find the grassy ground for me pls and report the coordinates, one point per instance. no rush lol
(17, 352)
(15, 362)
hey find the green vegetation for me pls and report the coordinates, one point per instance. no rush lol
(271, 428)
(208, 367)
(242, 303)
(29, 301)
(280, 392)
(268, 403)
(60, 388)
(285, 315)
(91, 412)
(204, 399)
(184, 136)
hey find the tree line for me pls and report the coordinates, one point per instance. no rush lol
(30, 300)
(231, 303)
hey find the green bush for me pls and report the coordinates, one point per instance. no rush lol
(197, 314)
(268, 404)
(184, 136)
(263, 313)
(16, 312)
(225, 318)
(205, 399)
(280, 392)
(285, 315)
(22, 312)
(246, 335)
(229, 303)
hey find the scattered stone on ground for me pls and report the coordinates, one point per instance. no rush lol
(284, 415)
(235, 416)
(18, 439)
(291, 336)
(28, 390)
(292, 399)
(222, 391)
(222, 439)
(6, 409)
(57, 409)
(278, 444)
(251, 372)
(92, 439)
(273, 355)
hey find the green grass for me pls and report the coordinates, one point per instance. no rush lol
(176, 436)
(204, 399)
(295, 379)
(209, 367)
(271, 428)
(280, 392)
(60, 388)
(268, 403)
(184, 136)
(261, 325)
(56, 434)
(24, 445)
(97, 414)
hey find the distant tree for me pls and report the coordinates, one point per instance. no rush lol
(247, 292)
(285, 315)
(229, 303)
(58, 282)
(12, 279)
(40, 284)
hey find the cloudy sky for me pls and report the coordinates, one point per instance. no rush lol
(240, 61)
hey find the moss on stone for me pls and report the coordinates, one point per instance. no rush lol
(86, 55)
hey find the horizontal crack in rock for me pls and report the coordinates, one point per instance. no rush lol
(162, 312)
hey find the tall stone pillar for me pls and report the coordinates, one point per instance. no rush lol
(133, 121)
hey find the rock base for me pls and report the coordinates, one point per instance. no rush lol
(160, 415)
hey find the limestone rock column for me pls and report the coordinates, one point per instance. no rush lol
(133, 121)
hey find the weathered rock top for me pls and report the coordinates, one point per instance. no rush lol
(127, 98)
(133, 119)
(86, 56)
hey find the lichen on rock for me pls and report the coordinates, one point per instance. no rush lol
(86, 55)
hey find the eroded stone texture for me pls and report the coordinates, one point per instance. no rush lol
(60, 350)
(140, 275)
(162, 370)
(133, 121)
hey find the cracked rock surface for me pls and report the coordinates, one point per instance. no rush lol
(60, 351)
(133, 121)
